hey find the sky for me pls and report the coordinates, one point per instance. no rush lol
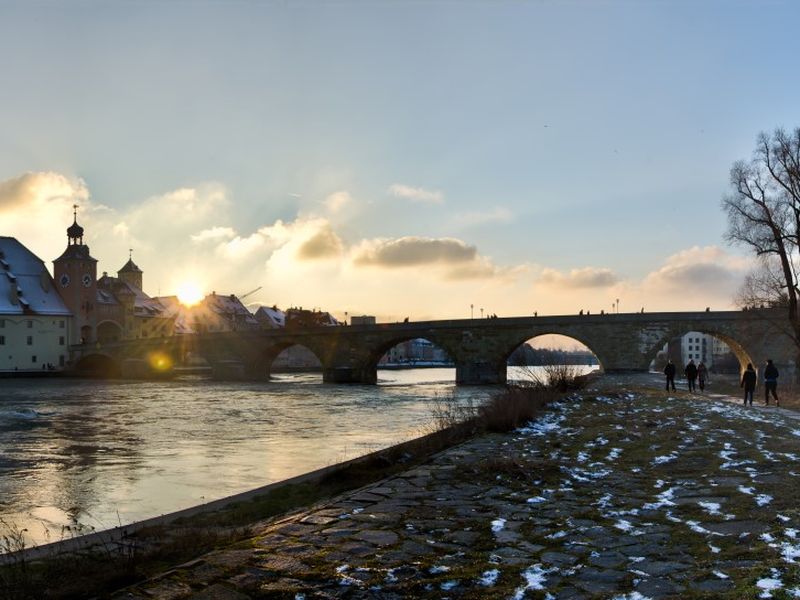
(398, 159)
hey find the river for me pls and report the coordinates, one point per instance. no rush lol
(93, 454)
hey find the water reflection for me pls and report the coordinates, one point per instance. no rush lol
(97, 454)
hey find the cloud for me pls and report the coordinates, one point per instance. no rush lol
(214, 233)
(338, 201)
(36, 208)
(707, 267)
(413, 251)
(496, 215)
(43, 189)
(323, 244)
(586, 277)
(416, 194)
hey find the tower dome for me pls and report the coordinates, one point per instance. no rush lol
(75, 231)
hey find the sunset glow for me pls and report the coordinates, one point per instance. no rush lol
(189, 293)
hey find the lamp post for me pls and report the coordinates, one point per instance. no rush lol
(471, 311)
(345, 317)
(617, 305)
(481, 313)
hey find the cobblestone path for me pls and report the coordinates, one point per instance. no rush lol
(626, 496)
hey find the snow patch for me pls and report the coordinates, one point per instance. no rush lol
(489, 578)
(498, 524)
(535, 577)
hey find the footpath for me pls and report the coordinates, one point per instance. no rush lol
(626, 493)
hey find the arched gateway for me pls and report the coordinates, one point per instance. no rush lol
(478, 347)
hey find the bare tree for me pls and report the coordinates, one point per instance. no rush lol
(764, 215)
(763, 287)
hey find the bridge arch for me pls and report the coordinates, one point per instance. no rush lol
(742, 354)
(378, 351)
(108, 331)
(262, 366)
(526, 337)
(98, 364)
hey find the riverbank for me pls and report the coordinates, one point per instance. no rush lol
(91, 565)
(624, 492)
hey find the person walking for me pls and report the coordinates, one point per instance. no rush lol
(770, 383)
(669, 371)
(691, 374)
(702, 375)
(748, 383)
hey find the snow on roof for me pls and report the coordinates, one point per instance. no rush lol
(143, 305)
(26, 286)
(272, 315)
(228, 305)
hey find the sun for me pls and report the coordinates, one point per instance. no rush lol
(189, 293)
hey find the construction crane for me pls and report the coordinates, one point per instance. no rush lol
(250, 293)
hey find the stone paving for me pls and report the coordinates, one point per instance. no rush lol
(626, 495)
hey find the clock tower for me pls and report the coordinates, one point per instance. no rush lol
(76, 279)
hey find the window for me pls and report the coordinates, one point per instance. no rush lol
(2, 323)
(30, 340)
(61, 324)
(61, 340)
(2, 340)
(61, 360)
(30, 324)
(33, 358)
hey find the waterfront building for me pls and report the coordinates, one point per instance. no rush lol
(270, 317)
(414, 351)
(75, 272)
(124, 311)
(108, 309)
(298, 317)
(214, 313)
(35, 323)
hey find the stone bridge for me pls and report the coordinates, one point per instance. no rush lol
(478, 347)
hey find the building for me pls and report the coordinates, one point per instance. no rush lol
(298, 317)
(270, 317)
(124, 311)
(35, 323)
(413, 352)
(214, 313)
(76, 275)
(111, 308)
(362, 320)
(699, 347)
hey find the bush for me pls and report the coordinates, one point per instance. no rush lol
(555, 377)
(514, 407)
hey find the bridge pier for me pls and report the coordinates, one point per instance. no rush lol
(347, 374)
(480, 373)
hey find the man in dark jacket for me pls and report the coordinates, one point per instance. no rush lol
(748, 383)
(669, 371)
(770, 383)
(691, 374)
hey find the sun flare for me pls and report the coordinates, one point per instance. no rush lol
(189, 293)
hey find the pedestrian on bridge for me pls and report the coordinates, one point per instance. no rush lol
(669, 371)
(749, 383)
(770, 383)
(702, 375)
(691, 374)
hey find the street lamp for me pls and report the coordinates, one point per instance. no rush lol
(345, 317)
(617, 305)
(481, 313)
(471, 311)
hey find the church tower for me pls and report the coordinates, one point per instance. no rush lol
(130, 273)
(76, 278)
